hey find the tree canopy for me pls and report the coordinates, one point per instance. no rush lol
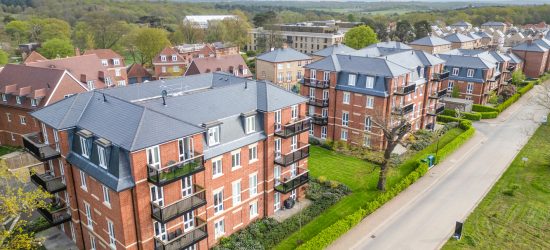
(360, 37)
(3, 57)
(149, 42)
(56, 47)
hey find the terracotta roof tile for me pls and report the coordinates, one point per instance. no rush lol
(225, 63)
(137, 70)
(35, 57)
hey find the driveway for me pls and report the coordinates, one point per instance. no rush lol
(424, 215)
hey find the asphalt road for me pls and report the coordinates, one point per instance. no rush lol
(423, 217)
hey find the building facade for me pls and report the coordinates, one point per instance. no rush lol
(168, 64)
(114, 63)
(431, 44)
(188, 167)
(350, 102)
(534, 54)
(284, 67)
(233, 64)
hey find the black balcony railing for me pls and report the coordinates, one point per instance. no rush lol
(57, 214)
(43, 152)
(293, 128)
(173, 172)
(177, 209)
(438, 94)
(286, 159)
(319, 120)
(441, 76)
(405, 90)
(323, 103)
(286, 186)
(181, 240)
(322, 84)
(49, 182)
(436, 110)
(404, 109)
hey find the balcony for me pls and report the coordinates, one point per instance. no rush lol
(319, 120)
(181, 240)
(405, 90)
(41, 151)
(314, 83)
(436, 110)
(57, 214)
(48, 182)
(441, 76)
(438, 94)
(404, 109)
(287, 186)
(174, 172)
(177, 209)
(323, 103)
(293, 128)
(301, 153)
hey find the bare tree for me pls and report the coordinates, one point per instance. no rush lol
(394, 128)
(542, 96)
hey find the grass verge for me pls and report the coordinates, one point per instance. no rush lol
(515, 214)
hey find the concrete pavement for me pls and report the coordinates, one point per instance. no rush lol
(424, 215)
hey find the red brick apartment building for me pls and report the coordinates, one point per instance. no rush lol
(477, 73)
(114, 63)
(140, 168)
(534, 54)
(348, 93)
(24, 89)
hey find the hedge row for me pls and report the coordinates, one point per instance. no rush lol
(488, 115)
(481, 108)
(501, 107)
(333, 232)
(465, 115)
(446, 118)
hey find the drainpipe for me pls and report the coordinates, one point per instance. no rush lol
(266, 155)
(136, 218)
(77, 206)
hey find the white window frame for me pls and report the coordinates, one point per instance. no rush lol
(252, 153)
(117, 72)
(352, 78)
(34, 102)
(470, 73)
(367, 141)
(102, 156)
(116, 61)
(323, 132)
(83, 182)
(236, 190)
(18, 99)
(174, 58)
(346, 96)
(218, 201)
(456, 71)
(106, 196)
(370, 102)
(344, 135)
(450, 86)
(188, 221)
(294, 112)
(253, 209)
(250, 124)
(111, 232)
(236, 159)
(469, 88)
(163, 58)
(214, 135)
(276, 201)
(219, 228)
(345, 118)
(368, 123)
(4, 98)
(313, 74)
(92, 242)
(89, 219)
(153, 156)
(217, 167)
(369, 82)
(22, 120)
(253, 184)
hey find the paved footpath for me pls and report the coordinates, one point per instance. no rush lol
(424, 215)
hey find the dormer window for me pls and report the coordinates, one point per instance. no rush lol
(84, 137)
(214, 135)
(470, 73)
(104, 62)
(116, 61)
(102, 145)
(162, 58)
(369, 82)
(455, 71)
(250, 124)
(4, 98)
(18, 99)
(174, 58)
(34, 102)
(351, 79)
(90, 84)
(421, 73)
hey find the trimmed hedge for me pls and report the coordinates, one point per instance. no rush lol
(446, 118)
(466, 115)
(334, 231)
(489, 115)
(501, 107)
(481, 108)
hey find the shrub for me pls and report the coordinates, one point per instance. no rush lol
(446, 118)
(508, 103)
(465, 115)
(314, 141)
(527, 87)
(482, 108)
(488, 115)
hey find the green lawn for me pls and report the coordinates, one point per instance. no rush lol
(6, 150)
(359, 175)
(516, 212)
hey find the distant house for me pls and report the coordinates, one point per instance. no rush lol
(534, 54)
(138, 74)
(460, 41)
(202, 21)
(284, 66)
(114, 63)
(168, 64)
(88, 69)
(336, 49)
(461, 25)
(34, 57)
(24, 89)
(232, 64)
(495, 25)
(431, 44)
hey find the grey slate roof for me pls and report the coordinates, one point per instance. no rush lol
(527, 46)
(466, 61)
(338, 48)
(134, 117)
(358, 64)
(461, 24)
(390, 45)
(458, 38)
(283, 55)
(483, 34)
(543, 42)
(514, 58)
(493, 24)
(430, 41)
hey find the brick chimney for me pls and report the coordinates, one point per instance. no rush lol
(83, 78)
